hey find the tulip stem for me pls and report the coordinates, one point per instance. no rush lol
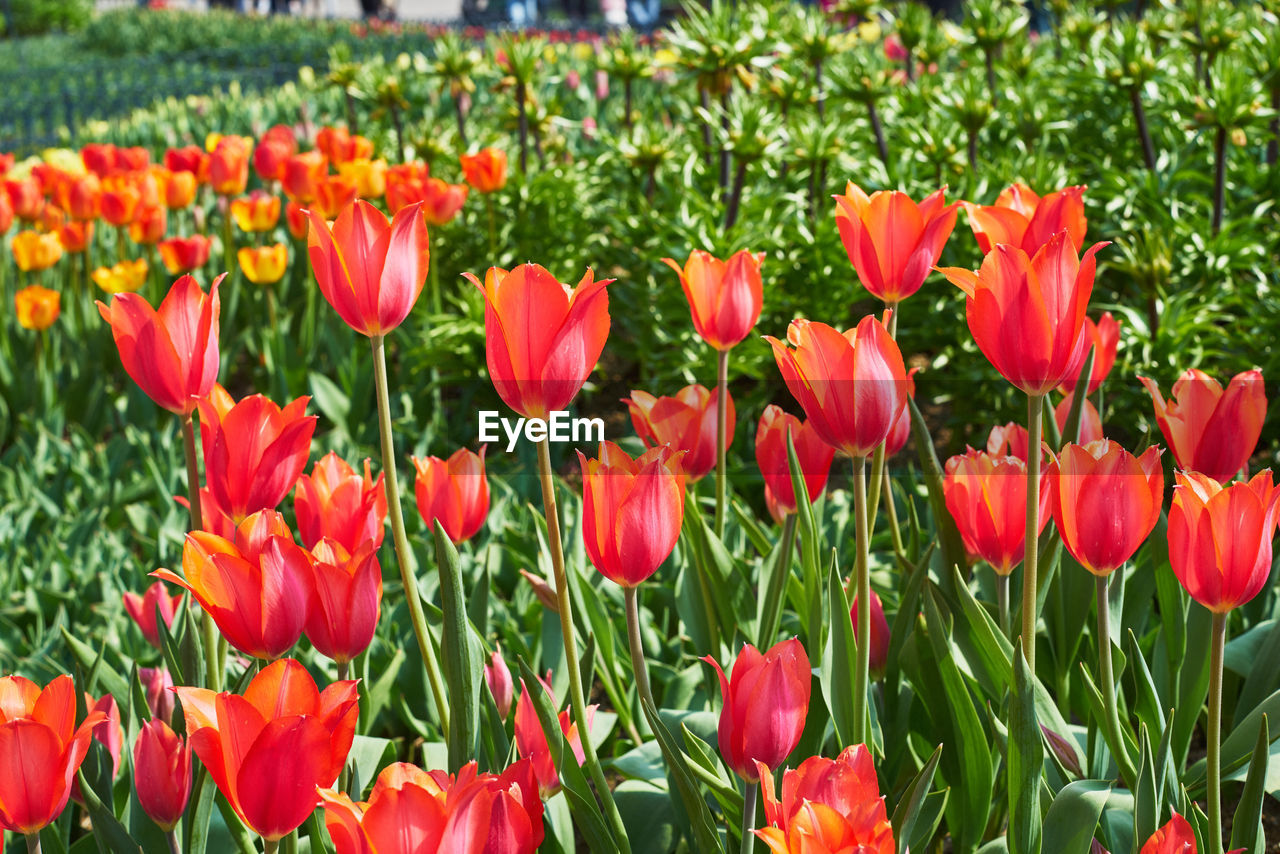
(722, 428)
(1105, 671)
(270, 846)
(1214, 735)
(344, 776)
(576, 698)
(750, 792)
(426, 643)
(630, 596)
(1002, 603)
(777, 584)
(862, 671)
(493, 229)
(195, 511)
(174, 846)
(33, 843)
(1031, 553)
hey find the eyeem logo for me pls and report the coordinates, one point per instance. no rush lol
(559, 427)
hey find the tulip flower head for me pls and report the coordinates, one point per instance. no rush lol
(335, 502)
(229, 165)
(157, 686)
(1211, 430)
(766, 701)
(184, 254)
(1104, 336)
(454, 492)
(154, 601)
(486, 170)
(441, 201)
(109, 733)
(1174, 837)
(276, 146)
(263, 265)
(686, 422)
(531, 741)
(256, 212)
(813, 454)
(34, 251)
(162, 773)
(37, 307)
(346, 599)
(498, 677)
(1023, 219)
(725, 297)
(125, 277)
(1090, 421)
(879, 634)
(987, 497)
(302, 174)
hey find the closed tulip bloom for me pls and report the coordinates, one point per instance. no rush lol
(531, 741)
(268, 750)
(725, 297)
(34, 251)
(346, 598)
(37, 308)
(336, 502)
(184, 254)
(229, 165)
(987, 498)
(891, 241)
(1220, 537)
(542, 338)
(632, 510)
(813, 454)
(1023, 219)
(1104, 337)
(879, 634)
(1211, 430)
(368, 176)
(441, 201)
(162, 773)
(454, 492)
(191, 159)
(766, 701)
(143, 609)
(125, 277)
(1105, 501)
(498, 677)
(486, 170)
(263, 265)
(256, 212)
(370, 271)
(149, 225)
(828, 806)
(74, 236)
(25, 197)
(157, 686)
(40, 750)
(333, 194)
(852, 385)
(1174, 837)
(302, 172)
(6, 212)
(121, 199)
(295, 219)
(172, 354)
(1026, 313)
(254, 450)
(81, 197)
(686, 422)
(272, 151)
(179, 190)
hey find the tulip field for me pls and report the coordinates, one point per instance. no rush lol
(800, 430)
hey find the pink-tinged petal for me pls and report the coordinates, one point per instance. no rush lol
(577, 344)
(276, 783)
(405, 270)
(332, 272)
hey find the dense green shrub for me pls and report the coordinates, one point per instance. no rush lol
(34, 17)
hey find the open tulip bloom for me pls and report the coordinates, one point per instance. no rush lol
(1023, 219)
(1211, 430)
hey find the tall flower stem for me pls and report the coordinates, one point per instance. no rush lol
(1002, 603)
(493, 229)
(344, 776)
(270, 846)
(33, 843)
(722, 428)
(1214, 735)
(174, 846)
(749, 794)
(1031, 555)
(577, 700)
(1107, 675)
(862, 671)
(404, 557)
(212, 663)
(630, 595)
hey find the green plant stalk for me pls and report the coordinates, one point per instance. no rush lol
(1107, 674)
(195, 511)
(1031, 553)
(426, 643)
(750, 792)
(1002, 603)
(769, 618)
(33, 843)
(577, 700)
(1144, 133)
(174, 846)
(862, 672)
(1213, 737)
(722, 429)
(289, 844)
(493, 229)
(344, 776)
(878, 459)
(891, 511)
(270, 846)
(630, 595)
(1219, 178)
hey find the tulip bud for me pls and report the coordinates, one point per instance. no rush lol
(725, 297)
(891, 241)
(813, 454)
(162, 773)
(879, 634)
(156, 683)
(498, 677)
(143, 610)
(454, 492)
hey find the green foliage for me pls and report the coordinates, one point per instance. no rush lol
(36, 17)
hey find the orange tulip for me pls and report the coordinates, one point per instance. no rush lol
(1210, 430)
(51, 219)
(725, 297)
(256, 588)
(486, 170)
(901, 429)
(1104, 337)
(891, 241)
(542, 338)
(75, 236)
(124, 277)
(143, 610)
(368, 176)
(25, 197)
(346, 597)
(454, 492)
(36, 307)
(686, 422)
(184, 254)
(162, 773)
(766, 701)
(333, 194)
(149, 225)
(813, 454)
(121, 199)
(6, 212)
(1090, 420)
(295, 219)
(1023, 219)
(277, 145)
(370, 271)
(256, 212)
(302, 172)
(828, 806)
(441, 201)
(1175, 837)
(987, 498)
(341, 146)
(268, 750)
(632, 511)
(1105, 501)
(852, 385)
(179, 190)
(81, 197)
(335, 502)
(34, 251)
(1220, 537)
(172, 354)
(133, 159)
(531, 741)
(229, 165)
(1027, 313)
(263, 265)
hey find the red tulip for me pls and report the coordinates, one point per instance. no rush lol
(632, 511)
(40, 750)
(1027, 313)
(334, 194)
(1220, 537)
(342, 146)
(813, 454)
(987, 497)
(1104, 337)
(172, 354)
(74, 236)
(335, 502)
(1021, 218)
(229, 165)
(766, 700)
(828, 806)
(454, 491)
(725, 297)
(185, 254)
(301, 175)
(542, 338)
(440, 201)
(81, 197)
(1105, 502)
(486, 170)
(370, 271)
(346, 597)
(256, 588)
(1175, 837)
(277, 145)
(1210, 430)
(157, 684)
(162, 773)
(852, 385)
(134, 158)
(295, 219)
(149, 225)
(254, 451)
(6, 212)
(498, 677)
(268, 750)
(686, 422)
(99, 158)
(25, 197)
(191, 158)
(531, 741)
(143, 610)
(879, 633)
(891, 241)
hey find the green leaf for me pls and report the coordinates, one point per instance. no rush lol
(908, 809)
(1246, 825)
(839, 659)
(1073, 817)
(367, 756)
(1026, 758)
(461, 664)
(648, 816)
(110, 833)
(705, 836)
(948, 535)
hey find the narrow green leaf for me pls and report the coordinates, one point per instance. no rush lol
(948, 535)
(1073, 817)
(110, 833)
(1026, 758)
(461, 674)
(1246, 826)
(908, 809)
(839, 659)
